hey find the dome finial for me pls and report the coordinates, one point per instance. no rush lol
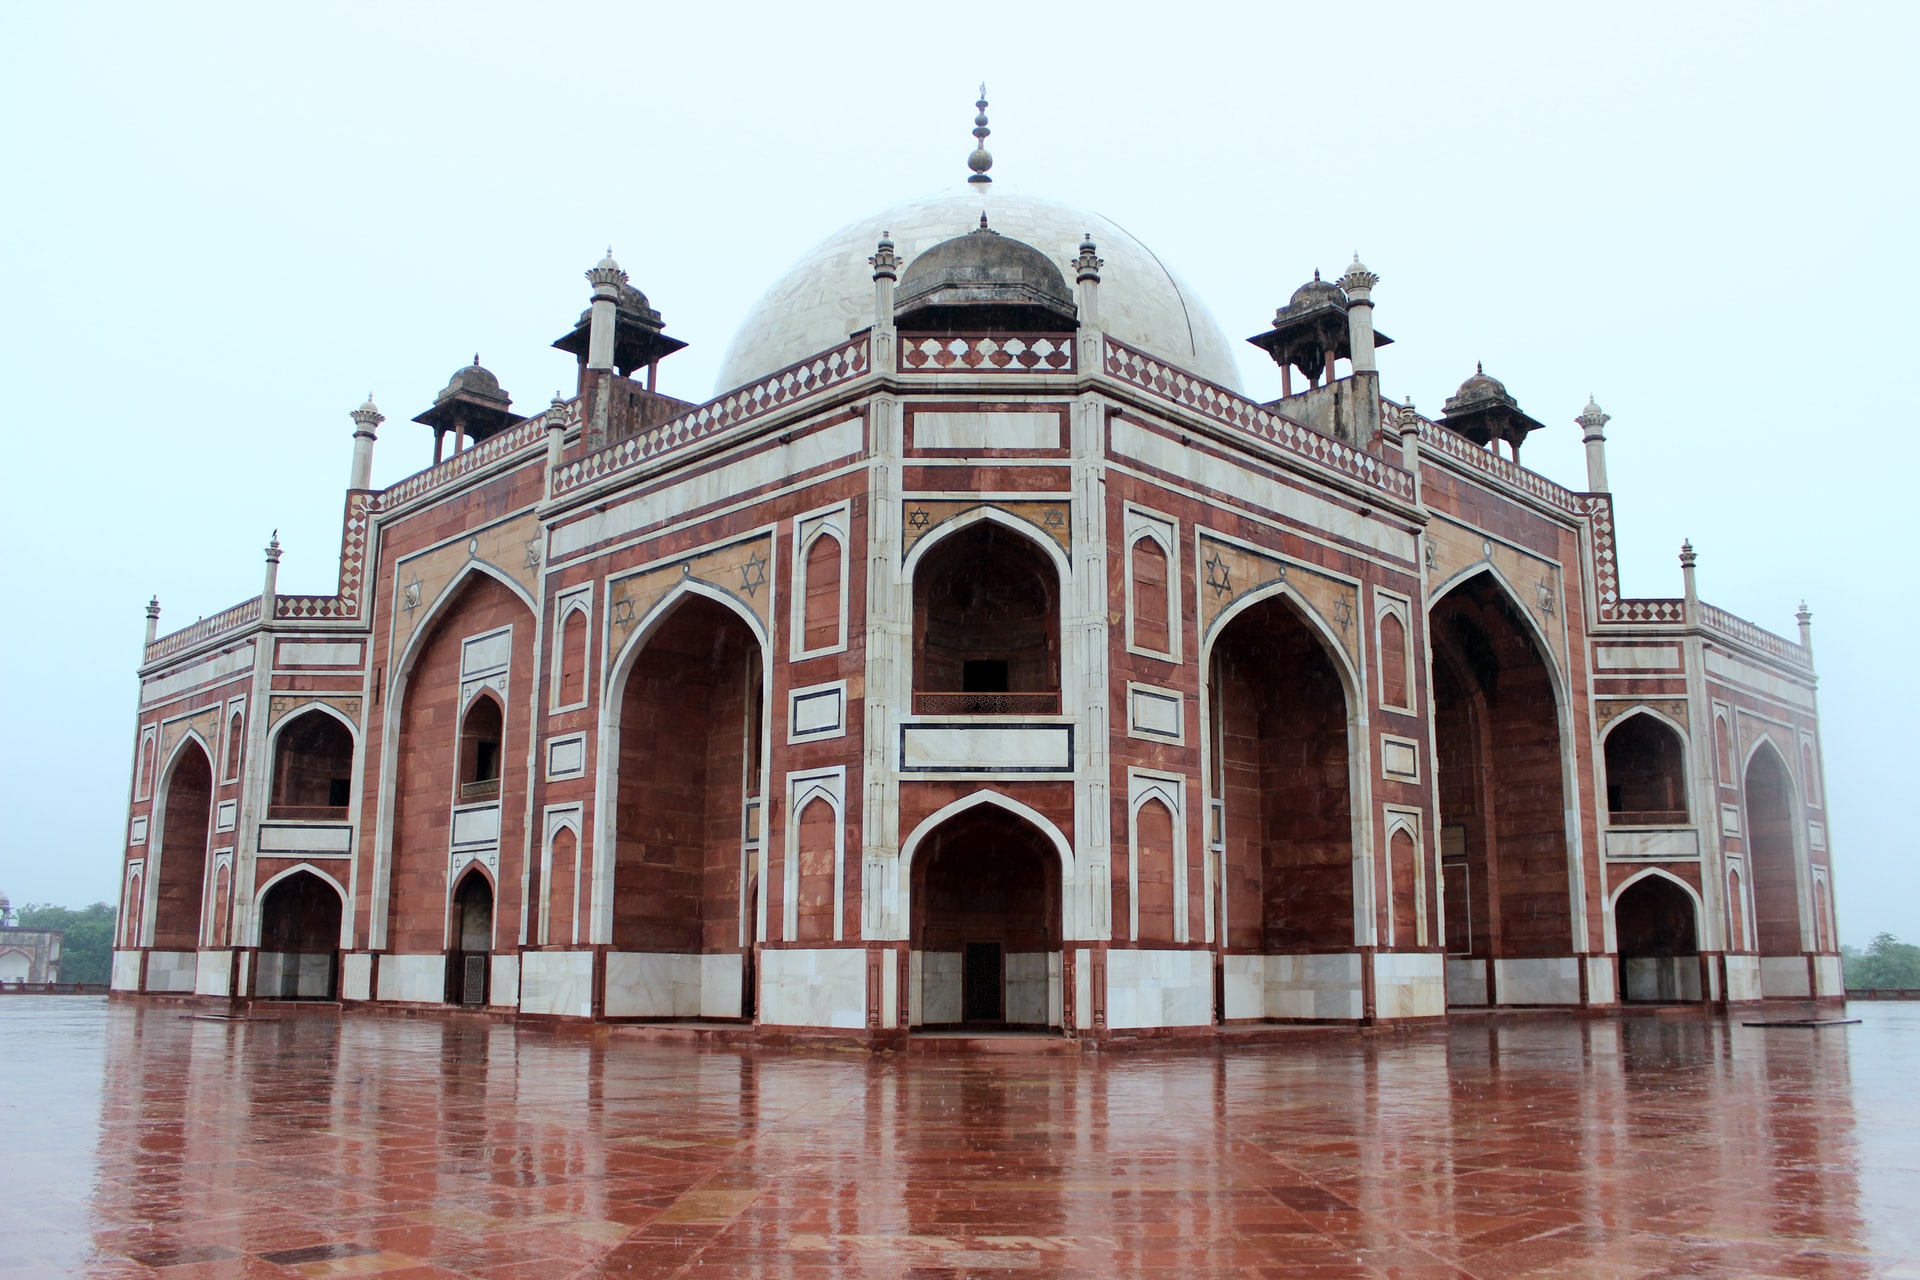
(981, 160)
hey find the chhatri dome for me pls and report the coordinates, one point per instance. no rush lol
(828, 293)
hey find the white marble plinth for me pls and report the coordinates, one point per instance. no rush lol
(1466, 981)
(1781, 977)
(1743, 977)
(814, 987)
(213, 973)
(1409, 985)
(1314, 986)
(414, 979)
(558, 983)
(1670, 978)
(126, 971)
(173, 971)
(1600, 987)
(1159, 989)
(1543, 980)
(1828, 977)
(1245, 980)
(935, 993)
(503, 986)
(356, 977)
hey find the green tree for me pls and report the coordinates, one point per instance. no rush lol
(1887, 962)
(86, 954)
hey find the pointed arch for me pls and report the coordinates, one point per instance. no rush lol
(965, 520)
(1774, 822)
(1644, 754)
(1329, 638)
(1542, 642)
(313, 869)
(1061, 845)
(178, 858)
(1693, 895)
(1655, 923)
(279, 781)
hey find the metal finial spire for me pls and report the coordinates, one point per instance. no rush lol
(981, 160)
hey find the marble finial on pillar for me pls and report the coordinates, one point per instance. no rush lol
(366, 422)
(1805, 618)
(1358, 284)
(606, 278)
(556, 437)
(1591, 420)
(153, 619)
(1086, 274)
(1692, 592)
(886, 272)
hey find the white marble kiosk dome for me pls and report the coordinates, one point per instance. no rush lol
(828, 293)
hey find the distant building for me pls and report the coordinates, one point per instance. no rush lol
(980, 656)
(27, 955)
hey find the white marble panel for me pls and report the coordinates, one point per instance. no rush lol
(306, 837)
(1154, 712)
(652, 984)
(1029, 989)
(557, 982)
(356, 977)
(503, 988)
(304, 653)
(986, 748)
(1743, 977)
(213, 668)
(476, 825)
(814, 987)
(138, 833)
(1784, 978)
(1547, 980)
(1671, 844)
(1400, 758)
(1600, 979)
(935, 997)
(1640, 657)
(1466, 981)
(172, 970)
(818, 711)
(889, 991)
(225, 815)
(1734, 671)
(1730, 819)
(567, 757)
(414, 979)
(126, 971)
(1246, 986)
(1159, 989)
(1828, 976)
(484, 654)
(720, 978)
(213, 973)
(1083, 988)
(1410, 985)
(1314, 986)
(986, 431)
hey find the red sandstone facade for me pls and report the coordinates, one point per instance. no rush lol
(1008, 676)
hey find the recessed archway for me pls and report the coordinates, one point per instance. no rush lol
(1646, 772)
(986, 624)
(1656, 925)
(185, 822)
(299, 939)
(1499, 761)
(1777, 915)
(986, 923)
(469, 961)
(312, 768)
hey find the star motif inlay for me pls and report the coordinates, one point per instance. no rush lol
(753, 574)
(410, 597)
(917, 518)
(1546, 599)
(1054, 518)
(623, 614)
(1343, 613)
(1219, 575)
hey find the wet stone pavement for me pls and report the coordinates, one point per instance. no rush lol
(147, 1142)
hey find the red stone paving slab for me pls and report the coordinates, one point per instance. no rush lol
(159, 1145)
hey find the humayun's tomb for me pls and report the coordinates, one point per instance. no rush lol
(978, 657)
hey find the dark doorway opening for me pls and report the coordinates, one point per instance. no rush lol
(986, 923)
(1654, 926)
(982, 983)
(469, 962)
(299, 956)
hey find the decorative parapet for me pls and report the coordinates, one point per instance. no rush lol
(238, 618)
(1035, 353)
(1743, 632)
(518, 438)
(1453, 445)
(345, 602)
(1184, 389)
(775, 391)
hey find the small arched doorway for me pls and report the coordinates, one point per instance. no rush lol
(470, 957)
(1776, 889)
(1657, 931)
(299, 955)
(184, 829)
(986, 625)
(986, 924)
(312, 769)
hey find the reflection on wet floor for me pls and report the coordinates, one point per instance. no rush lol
(143, 1141)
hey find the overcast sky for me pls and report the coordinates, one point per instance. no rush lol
(220, 227)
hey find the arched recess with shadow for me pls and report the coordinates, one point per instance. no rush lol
(1646, 772)
(180, 888)
(986, 623)
(454, 725)
(985, 923)
(1280, 759)
(1777, 912)
(470, 931)
(1656, 928)
(299, 956)
(312, 768)
(687, 820)
(1497, 734)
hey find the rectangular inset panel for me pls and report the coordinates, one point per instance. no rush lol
(199, 673)
(483, 654)
(1730, 819)
(1817, 836)
(303, 653)
(987, 431)
(1641, 657)
(1675, 843)
(986, 748)
(1400, 758)
(477, 824)
(225, 815)
(818, 711)
(1154, 713)
(306, 837)
(139, 833)
(567, 757)
(1747, 675)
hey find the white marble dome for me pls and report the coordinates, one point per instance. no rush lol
(828, 293)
